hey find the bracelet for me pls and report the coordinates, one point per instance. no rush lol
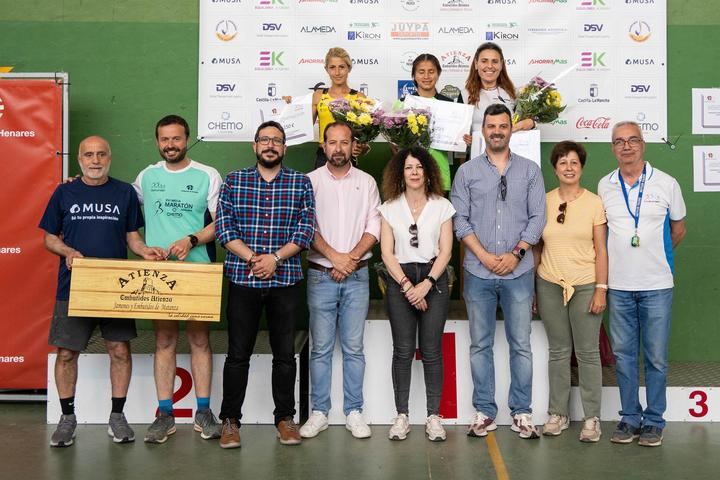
(253, 255)
(403, 281)
(601, 285)
(406, 290)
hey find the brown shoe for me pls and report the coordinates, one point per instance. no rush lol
(230, 436)
(288, 432)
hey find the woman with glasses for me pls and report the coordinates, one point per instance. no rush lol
(571, 290)
(488, 83)
(416, 241)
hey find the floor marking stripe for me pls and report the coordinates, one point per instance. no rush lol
(496, 457)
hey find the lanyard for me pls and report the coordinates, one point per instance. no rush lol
(641, 189)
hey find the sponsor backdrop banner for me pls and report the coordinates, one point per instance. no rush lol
(255, 51)
(31, 115)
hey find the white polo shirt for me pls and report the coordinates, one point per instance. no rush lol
(649, 266)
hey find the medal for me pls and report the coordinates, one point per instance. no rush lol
(635, 240)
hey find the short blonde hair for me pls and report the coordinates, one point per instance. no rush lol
(340, 53)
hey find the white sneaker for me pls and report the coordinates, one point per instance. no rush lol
(400, 427)
(480, 425)
(316, 423)
(523, 424)
(555, 425)
(356, 424)
(434, 429)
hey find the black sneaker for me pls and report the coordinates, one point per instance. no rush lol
(625, 433)
(650, 436)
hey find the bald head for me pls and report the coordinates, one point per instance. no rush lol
(94, 157)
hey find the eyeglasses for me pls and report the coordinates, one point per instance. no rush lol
(563, 209)
(634, 142)
(503, 187)
(414, 232)
(277, 141)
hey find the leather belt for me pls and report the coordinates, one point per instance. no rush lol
(321, 268)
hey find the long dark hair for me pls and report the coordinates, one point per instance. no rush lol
(393, 181)
(473, 84)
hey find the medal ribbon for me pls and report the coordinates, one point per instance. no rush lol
(641, 189)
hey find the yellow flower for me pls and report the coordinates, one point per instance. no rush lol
(414, 129)
(411, 118)
(364, 119)
(351, 117)
(554, 99)
(422, 119)
(515, 118)
(354, 104)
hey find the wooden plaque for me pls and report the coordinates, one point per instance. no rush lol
(142, 289)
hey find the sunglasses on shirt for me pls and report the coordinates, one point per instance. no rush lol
(563, 209)
(414, 232)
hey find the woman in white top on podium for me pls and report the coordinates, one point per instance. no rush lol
(488, 83)
(416, 243)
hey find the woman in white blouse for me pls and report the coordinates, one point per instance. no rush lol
(416, 242)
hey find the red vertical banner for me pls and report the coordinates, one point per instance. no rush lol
(31, 137)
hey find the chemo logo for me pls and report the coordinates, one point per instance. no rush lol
(226, 125)
(645, 124)
(639, 31)
(226, 30)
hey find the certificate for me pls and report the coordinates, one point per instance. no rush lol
(525, 143)
(295, 117)
(710, 111)
(449, 121)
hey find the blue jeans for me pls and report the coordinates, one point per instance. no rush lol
(337, 306)
(635, 318)
(481, 299)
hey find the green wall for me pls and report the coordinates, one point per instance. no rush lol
(131, 62)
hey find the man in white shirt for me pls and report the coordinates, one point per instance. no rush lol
(646, 221)
(348, 225)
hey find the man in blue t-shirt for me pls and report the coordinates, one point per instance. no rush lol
(97, 216)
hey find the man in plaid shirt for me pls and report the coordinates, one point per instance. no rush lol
(265, 218)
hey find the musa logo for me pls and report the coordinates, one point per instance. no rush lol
(226, 30)
(150, 279)
(365, 61)
(640, 61)
(226, 61)
(95, 208)
(502, 2)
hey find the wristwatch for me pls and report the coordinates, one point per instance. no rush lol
(432, 280)
(193, 240)
(518, 252)
(278, 260)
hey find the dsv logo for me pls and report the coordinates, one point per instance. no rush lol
(225, 87)
(593, 27)
(640, 88)
(271, 27)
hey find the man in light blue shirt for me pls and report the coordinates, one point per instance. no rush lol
(500, 202)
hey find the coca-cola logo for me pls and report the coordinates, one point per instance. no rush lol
(594, 123)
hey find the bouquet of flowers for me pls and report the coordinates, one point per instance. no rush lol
(363, 115)
(407, 127)
(538, 100)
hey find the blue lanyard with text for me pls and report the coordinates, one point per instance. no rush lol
(635, 240)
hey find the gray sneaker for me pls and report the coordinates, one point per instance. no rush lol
(207, 424)
(650, 436)
(119, 429)
(65, 431)
(624, 433)
(163, 426)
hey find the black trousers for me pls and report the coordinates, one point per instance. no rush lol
(244, 309)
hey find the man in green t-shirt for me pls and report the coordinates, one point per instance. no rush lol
(180, 197)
